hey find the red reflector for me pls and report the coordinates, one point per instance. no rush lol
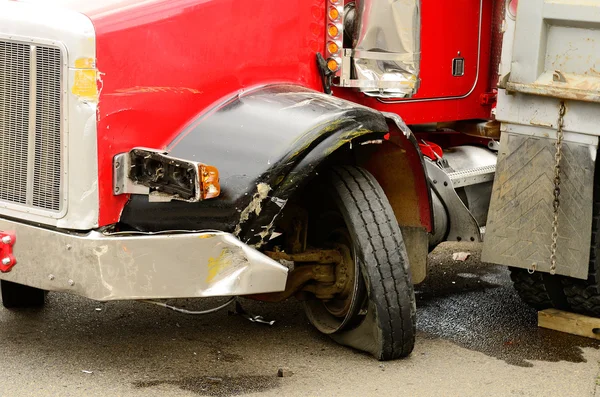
(512, 7)
(431, 150)
(7, 259)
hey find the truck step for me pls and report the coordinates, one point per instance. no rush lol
(472, 176)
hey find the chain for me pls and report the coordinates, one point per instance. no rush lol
(556, 203)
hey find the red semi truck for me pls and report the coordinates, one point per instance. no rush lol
(154, 149)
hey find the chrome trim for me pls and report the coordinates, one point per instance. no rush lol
(117, 267)
(386, 54)
(451, 97)
(32, 116)
(122, 184)
(473, 176)
(74, 33)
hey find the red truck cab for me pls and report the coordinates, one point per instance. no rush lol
(187, 148)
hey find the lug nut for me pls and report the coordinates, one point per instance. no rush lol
(6, 240)
(6, 261)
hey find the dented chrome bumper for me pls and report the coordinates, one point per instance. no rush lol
(118, 267)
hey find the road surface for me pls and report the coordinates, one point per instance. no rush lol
(475, 339)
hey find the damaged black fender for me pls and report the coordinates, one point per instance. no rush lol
(266, 143)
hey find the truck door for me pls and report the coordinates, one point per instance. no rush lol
(450, 47)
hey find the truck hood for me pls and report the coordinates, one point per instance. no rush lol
(114, 15)
(96, 9)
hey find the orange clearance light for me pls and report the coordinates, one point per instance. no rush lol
(209, 180)
(332, 65)
(332, 30)
(332, 47)
(333, 13)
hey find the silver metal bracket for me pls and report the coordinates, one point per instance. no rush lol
(163, 178)
(346, 80)
(122, 184)
(463, 226)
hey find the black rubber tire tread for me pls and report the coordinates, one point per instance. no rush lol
(18, 296)
(584, 295)
(539, 290)
(384, 258)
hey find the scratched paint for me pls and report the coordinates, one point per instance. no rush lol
(84, 84)
(150, 90)
(219, 264)
(255, 206)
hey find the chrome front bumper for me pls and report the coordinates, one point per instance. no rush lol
(118, 267)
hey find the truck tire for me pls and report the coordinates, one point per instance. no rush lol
(584, 295)
(539, 290)
(381, 319)
(17, 296)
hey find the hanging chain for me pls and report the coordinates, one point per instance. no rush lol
(556, 203)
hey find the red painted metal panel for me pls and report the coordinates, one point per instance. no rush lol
(163, 62)
(446, 28)
(7, 257)
(449, 28)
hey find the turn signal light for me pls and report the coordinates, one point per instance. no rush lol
(332, 47)
(333, 30)
(333, 13)
(332, 65)
(209, 177)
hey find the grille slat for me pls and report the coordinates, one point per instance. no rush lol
(28, 73)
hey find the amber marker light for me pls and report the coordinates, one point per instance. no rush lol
(332, 65)
(332, 30)
(209, 178)
(333, 13)
(332, 47)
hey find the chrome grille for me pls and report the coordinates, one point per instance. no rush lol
(14, 120)
(30, 125)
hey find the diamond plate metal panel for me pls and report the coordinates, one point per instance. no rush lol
(519, 223)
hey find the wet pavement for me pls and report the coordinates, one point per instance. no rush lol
(476, 338)
(476, 307)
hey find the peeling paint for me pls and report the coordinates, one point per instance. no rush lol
(266, 233)
(154, 89)
(84, 84)
(92, 189)
(219, 264)
(540, 123)
(300, 104)
(280, 202)
(85, 63)
(255, 206)
(372, 142)
(347, 137)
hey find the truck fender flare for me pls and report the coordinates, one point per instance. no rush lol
(266, 143)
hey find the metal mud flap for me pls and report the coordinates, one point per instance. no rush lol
(519, 227)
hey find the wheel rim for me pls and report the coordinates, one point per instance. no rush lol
(346, 310)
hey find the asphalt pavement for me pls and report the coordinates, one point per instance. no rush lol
(475, 338)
